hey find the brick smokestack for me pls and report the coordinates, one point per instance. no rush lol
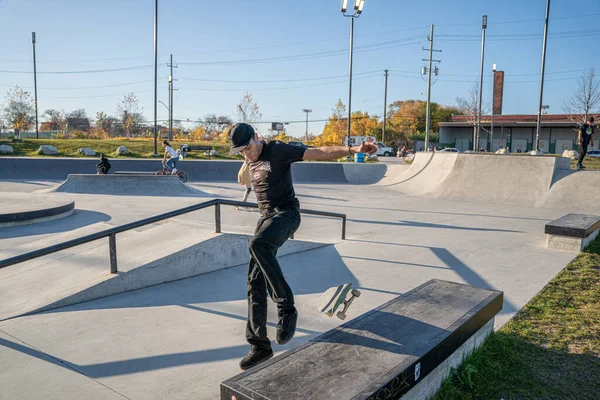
(498, 92)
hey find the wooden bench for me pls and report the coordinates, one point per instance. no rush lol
(404, 348)
(572, 232)
(201, 148)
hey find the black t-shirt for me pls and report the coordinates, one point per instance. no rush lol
(586, 132)
(272, 176)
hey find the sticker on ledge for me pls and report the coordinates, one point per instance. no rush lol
(417, 371)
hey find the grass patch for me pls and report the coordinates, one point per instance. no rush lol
(138, 148)
(550, 350)
(591, 163)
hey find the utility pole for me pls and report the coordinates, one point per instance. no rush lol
(483, 28)
(384, 106)
(155, 77)
(350, 86)
(306, 110)
(171, 80)
(37, 136)
(429, 70)
(539, 121)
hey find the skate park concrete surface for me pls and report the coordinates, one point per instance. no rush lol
(472, 219)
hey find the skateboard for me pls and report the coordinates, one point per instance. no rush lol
(334, 297)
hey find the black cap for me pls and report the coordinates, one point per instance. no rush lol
(239, 137)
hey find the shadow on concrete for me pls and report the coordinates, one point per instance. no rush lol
(300, 270)
(447, 213)
(77, 220)
(430, 225)
(395, 262)
(467, 274)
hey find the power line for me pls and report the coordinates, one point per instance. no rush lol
(275, 88)
(276, 80)
(132, 68)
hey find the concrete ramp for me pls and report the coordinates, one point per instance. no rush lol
(578, 189)
(398, 174)
(164, 253)
(126, 185)
(523, 180)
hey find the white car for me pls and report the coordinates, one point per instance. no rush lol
(594, 153)
(383, 150)
(450, 150)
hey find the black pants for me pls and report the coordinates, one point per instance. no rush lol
(583, 150)
(264, 273)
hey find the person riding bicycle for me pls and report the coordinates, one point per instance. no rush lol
(174, 157)
(104, 166)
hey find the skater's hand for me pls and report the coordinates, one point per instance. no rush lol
(367, 147)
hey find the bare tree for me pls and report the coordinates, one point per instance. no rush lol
(248, 110)
(19, 112)
(130, 113)
(586, 99)
(469, 107)
(55, 119)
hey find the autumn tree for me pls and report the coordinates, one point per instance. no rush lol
(586, 99)
(129, 113)
(336, 128)
(19, 111)
(248, 110)
(214, 125)
(77, 120)
(363, 124)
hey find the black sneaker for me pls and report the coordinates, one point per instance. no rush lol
(579, 166)
(255, 357)
(286, 327)
(582, 166)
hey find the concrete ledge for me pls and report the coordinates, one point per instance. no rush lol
(574, 225)
(573, 232)
(25, 209)
(386, 353)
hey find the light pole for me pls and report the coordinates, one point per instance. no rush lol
(539, 121)
(358, 7)
(37, 136)
(306, 110)
(155, 77)
(483, 28)
(493, 104)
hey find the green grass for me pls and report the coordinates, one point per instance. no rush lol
(550, 350)
(137, 148)
(591, 163)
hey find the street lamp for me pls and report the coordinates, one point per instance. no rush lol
(493, 104)
(358, 8)
(306, 110)
(483, 28)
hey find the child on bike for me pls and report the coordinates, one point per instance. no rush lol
(104, 166)
(170, 152)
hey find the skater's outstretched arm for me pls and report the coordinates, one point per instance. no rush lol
(333, 152)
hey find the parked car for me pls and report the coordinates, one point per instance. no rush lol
(300, 144)
(594, 153)
(383, 150)
(450, 150)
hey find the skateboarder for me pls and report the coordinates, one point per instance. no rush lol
(270, 170)
(585, 137)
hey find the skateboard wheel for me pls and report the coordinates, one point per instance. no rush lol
(341, 315)
(356, 292)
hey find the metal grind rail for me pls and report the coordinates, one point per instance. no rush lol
(112, 232)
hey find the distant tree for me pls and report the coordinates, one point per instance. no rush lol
(78, 120)
(336, 128)
(19, 111)
(469, 106)
(129, 113)
(586, 99)
(248, 110)
(55, 120)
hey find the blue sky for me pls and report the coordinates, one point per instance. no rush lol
(276, 50)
